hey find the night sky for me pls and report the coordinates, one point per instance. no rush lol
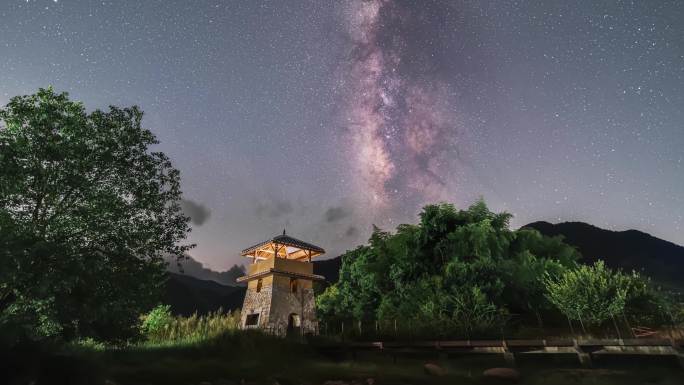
(326, 117)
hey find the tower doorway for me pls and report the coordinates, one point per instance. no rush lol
(294, 324)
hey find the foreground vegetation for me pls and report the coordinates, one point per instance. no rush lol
(211, 349)
(239, 357)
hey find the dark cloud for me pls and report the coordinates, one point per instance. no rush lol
(334, 214)
(198, 213)
(189, 266)
(274, 209)
(352, 231)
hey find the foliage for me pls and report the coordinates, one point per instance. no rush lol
(647, 304)
(473, 312)
(86, 212)
(160, 328)
(90, 344)
(156, 320)
(457, 272)
(591, 294)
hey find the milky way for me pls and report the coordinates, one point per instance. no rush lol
(401, 131)
(327, 117)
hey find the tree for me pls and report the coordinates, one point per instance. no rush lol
(452, 273)
(590, 294)
(527, 292)
(647, 304)
(473, 312)
(87, 211)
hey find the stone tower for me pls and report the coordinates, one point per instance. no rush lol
(280, 296)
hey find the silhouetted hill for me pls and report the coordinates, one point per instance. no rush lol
(188, 295)
(630, 250)
(329, 268)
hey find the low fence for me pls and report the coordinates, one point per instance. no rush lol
(398, 330)
(584, 349)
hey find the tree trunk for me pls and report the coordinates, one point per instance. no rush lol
(572, 330)
(616, 327)
(631, 332)
(539, 319)
(584, 330)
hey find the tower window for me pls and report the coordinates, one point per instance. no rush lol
(252, 319)
(293, 285)
(259, 283)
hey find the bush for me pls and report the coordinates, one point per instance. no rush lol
(591, 294)
(156, 320)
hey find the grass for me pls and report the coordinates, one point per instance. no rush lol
(211, 349)
(234, 357)
(251, 357)
(267, 360)
(187, 331)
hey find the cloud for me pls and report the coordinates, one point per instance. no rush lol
(198, 213)
(274, 209)
(190, 266)
(334, 214)
(352, 231)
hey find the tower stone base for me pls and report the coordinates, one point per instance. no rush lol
(280, 298)
(280, 311)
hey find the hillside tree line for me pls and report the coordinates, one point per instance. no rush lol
(465, 273)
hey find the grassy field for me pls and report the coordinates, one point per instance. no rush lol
(252, 358)
(210, 349)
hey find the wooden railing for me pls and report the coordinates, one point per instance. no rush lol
(585, 349)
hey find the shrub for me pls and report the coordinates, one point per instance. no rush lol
(591, 294)
(156, 320)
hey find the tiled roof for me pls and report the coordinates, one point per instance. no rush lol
(285, 240)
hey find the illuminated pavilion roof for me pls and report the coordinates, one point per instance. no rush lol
(284, 246)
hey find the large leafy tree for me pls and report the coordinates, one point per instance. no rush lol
(452, 273)
(87, 210)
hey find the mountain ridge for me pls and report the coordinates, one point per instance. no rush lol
(661, 260)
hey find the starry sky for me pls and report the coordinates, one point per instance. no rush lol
(326, 117)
